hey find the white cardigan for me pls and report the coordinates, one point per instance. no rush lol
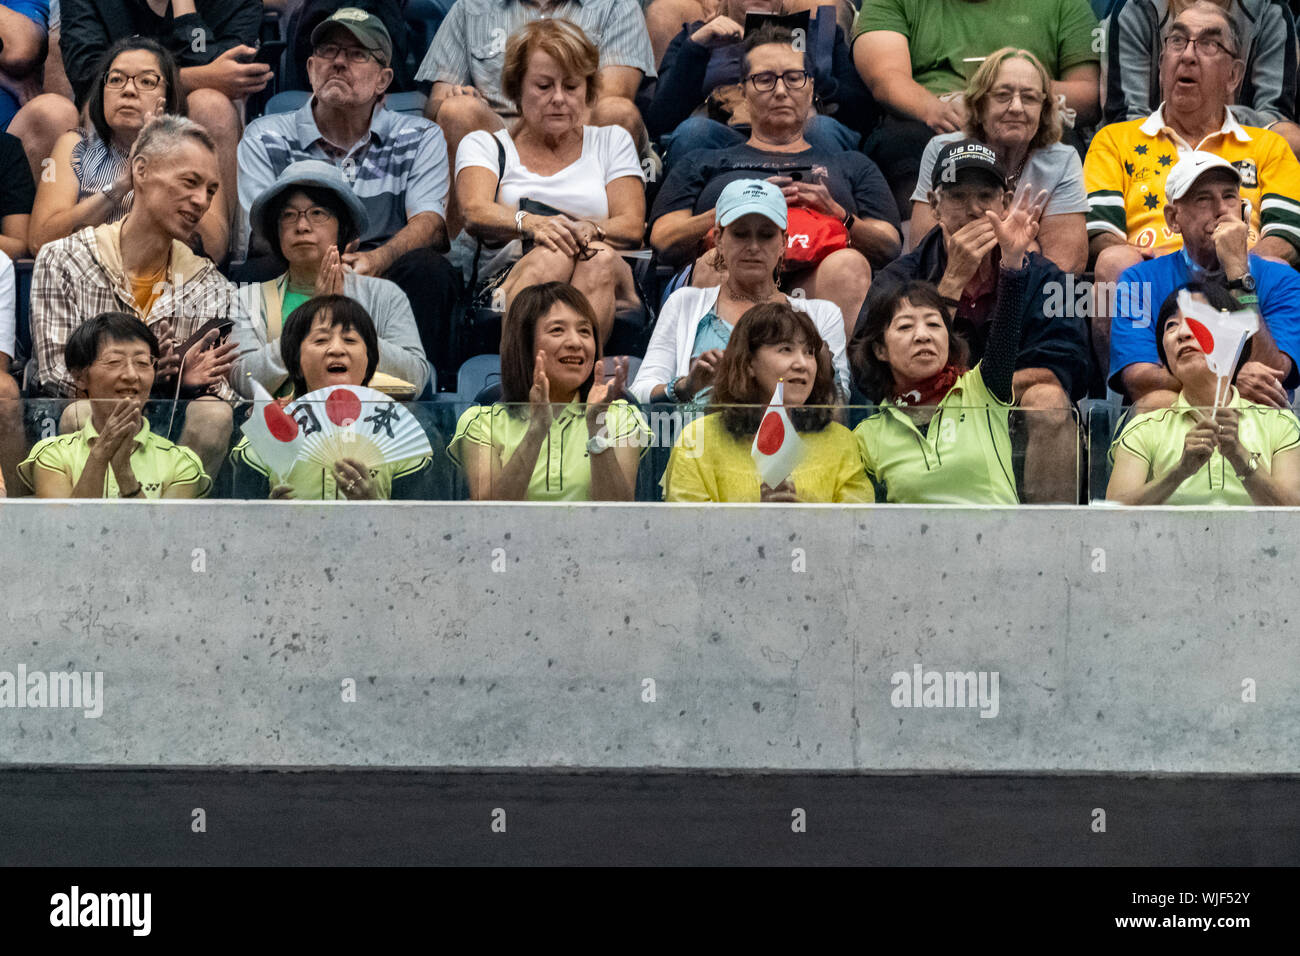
(669, 354)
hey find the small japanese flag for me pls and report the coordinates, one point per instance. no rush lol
(272, 433)
(1221, 335)
(777, 446)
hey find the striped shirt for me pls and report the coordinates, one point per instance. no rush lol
(97, 166)
(470, 46)
(398, 171)
(78, 277)
(1127, 165)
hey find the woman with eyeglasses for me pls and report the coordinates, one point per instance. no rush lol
(551, 199)
(308, 216)
(851, 224)
(89, 181)
(113, 359)
(1010, 111)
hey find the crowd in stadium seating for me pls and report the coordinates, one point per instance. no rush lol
(949, 230)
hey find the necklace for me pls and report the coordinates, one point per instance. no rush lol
(745, 296)
(1014, 179)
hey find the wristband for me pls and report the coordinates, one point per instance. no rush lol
(670, 391)
(519, 221)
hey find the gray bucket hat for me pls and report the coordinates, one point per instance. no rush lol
(306, 172)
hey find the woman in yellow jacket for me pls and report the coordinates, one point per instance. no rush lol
(711, 461)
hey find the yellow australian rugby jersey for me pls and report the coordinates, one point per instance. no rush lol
(1127, 164)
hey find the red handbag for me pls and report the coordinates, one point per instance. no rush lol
(811, 236)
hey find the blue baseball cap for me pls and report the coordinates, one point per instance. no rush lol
(744, 196)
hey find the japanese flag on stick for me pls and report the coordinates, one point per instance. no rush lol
(272, 433)
(1221, 336)
(777, 446)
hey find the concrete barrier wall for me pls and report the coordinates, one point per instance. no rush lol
(516, 635)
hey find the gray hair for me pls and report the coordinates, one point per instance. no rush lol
(1234, 35)
(163, 135)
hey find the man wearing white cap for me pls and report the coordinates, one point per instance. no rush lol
(1206, 209)
(1128, 164)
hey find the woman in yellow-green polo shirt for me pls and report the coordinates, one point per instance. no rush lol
(1242, 454)
(941, 433)
(559, 432)
(712, 459)
(113, 359)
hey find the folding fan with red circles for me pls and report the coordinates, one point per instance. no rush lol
(340, 421)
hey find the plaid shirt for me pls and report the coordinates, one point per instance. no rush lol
(74, 280)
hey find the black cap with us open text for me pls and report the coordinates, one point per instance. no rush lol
(963, 159)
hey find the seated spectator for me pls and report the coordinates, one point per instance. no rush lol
(917, 62)
(961, 256)
(1011, 110)
(299, 22)
(308, 217)
(113, 358)
(23, 25)
(695, 325)
(89, 182)
(17, 192)
(551, 399)
(1264, 31)
(30, 107)
(1128, 163)
(1204, 207)
(13, 441)
(665, 18)
(396, 165)
(551, 158)
(1241, 453)
(213, 43)
(466, 64)
(330, 340)
(930, 441)
(141, 265)
(712, 461)
(698, 100)
(843, 187)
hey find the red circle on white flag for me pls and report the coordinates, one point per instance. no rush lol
(1204, 337)
(771, 435)
(280, 425)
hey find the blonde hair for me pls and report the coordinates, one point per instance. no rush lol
(981, 85)
(562, 40)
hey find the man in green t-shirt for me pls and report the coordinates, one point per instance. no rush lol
(915, 54)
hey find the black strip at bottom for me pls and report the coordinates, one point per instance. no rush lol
(347, 817)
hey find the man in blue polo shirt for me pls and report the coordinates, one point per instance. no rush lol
(396, 165)
(1205, 206)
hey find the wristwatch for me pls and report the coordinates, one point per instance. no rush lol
(1251, 467)
(1246, 283)
(597, 444)
(848, 220)
(519, 221)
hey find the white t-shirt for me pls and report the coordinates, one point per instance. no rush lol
(608, 153)
(1056, 168)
